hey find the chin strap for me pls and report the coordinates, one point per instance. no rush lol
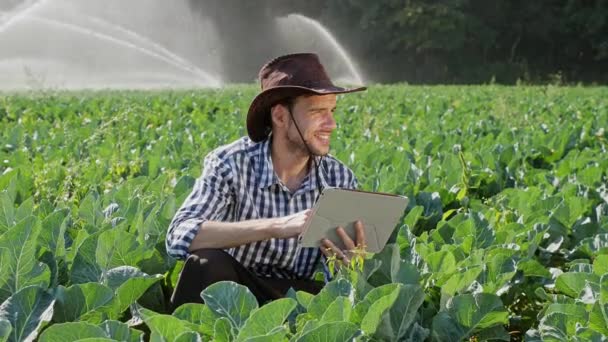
(312, 156)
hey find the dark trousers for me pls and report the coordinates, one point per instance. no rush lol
(208, 266)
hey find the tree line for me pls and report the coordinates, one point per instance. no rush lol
(447, 41)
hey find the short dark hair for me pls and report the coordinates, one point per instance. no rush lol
(291, 100)
(287, 102)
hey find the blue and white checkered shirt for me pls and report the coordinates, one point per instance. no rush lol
(238, 183)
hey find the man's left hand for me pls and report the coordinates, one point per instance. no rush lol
(330, 250)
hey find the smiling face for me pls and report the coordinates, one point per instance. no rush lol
(315, 117)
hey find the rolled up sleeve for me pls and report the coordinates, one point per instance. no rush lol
(207, 201)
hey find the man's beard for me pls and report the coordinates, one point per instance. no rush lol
(297, 146)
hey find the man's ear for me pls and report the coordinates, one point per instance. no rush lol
(279, 115)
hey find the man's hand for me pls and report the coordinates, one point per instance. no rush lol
(330, 250)
(292, 225)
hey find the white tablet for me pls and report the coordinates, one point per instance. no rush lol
(380, 214)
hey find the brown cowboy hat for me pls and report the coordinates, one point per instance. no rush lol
(284, 77)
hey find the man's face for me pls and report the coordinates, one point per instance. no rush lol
(315, 117)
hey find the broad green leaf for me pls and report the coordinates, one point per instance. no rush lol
(338, 311)
(474, 233)
(604, 289)
(442, 262)
(90, 210)
(359, 279)
(199, 315)
(376, 310)
(25, 209)
(52, 233)
(487, 311)
(499, 270)
(407, 274)
(433, 210)
(115, 277)
(174, 273)
(410, 220)
(81, 236)
(561, 324)
(600, 265)
(275, 336)
(460, 281)
(5, 330)
(77, 300)
(267, 318)
(167, 328)
(331, 332)
(152, 225)
(184, 186)
(153, 262)
(362, 308)
(402, 313)
(412, 216)
(7, 212)
(129, 285)
(598, 318)
(223, 330)
(392, 269)
(44, 208)
(19, 267)
(140, 314)
(573, 310)
(304, 323)
(592, 246)
(417, 333)
(116, 248)
(494, 333)
(154, 297)
(389, 261)
(230, 300)
(583, 334)
(581, 267)
(189, 336)
(573, 283)
(444, 232)
(121, 332)
(304, 298)
(533, 268)
(72, 331)
(85, 268)
(27, 311)
(468, 315)
(445, 327)
(319, 304)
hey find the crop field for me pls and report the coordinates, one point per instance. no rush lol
(505, 237)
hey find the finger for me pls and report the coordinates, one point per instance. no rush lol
(308, 215)
(340, 255)
(348, 242)
(326, 248)
(360, 232)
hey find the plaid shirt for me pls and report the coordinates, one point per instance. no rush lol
(238, 183)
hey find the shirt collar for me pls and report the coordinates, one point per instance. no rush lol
(267, 175)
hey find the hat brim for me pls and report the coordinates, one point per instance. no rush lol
(258, 116)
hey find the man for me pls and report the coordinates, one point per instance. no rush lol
(243, 217)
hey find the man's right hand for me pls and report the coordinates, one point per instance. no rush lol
(292, 225)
